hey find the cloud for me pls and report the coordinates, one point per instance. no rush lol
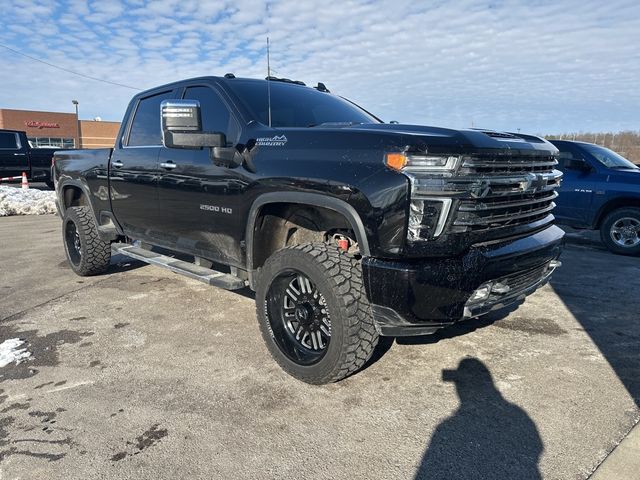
(543, 67)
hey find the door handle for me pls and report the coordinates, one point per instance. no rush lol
(117, 164)
(169, 165)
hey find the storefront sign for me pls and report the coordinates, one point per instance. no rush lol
(41, 125)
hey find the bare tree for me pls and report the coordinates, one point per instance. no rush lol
(626, 143)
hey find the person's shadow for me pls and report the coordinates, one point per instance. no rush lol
(487, 437)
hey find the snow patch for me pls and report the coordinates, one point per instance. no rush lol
(30, 201)
(9, 352)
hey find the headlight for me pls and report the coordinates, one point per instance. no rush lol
(414, 162)
(427, 217)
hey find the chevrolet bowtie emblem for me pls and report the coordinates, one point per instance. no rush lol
(534, 183)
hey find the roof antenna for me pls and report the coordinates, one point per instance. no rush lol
(268, 83)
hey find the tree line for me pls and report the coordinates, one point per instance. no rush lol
(625, 143)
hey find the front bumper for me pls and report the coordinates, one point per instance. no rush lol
(419, 297)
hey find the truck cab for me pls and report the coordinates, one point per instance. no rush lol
(600, 191)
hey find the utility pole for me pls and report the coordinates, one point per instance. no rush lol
(78, 141)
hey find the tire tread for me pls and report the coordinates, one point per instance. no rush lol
(96, 253)
(344, 273)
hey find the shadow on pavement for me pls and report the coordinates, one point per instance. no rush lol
(602, 291)
(487, 437)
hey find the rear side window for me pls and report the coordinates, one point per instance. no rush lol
(8, 141)
(215, 114)
(145, 129)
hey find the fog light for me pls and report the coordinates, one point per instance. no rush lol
(500, 288)
(481, 293)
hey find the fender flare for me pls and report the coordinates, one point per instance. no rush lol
(621, 200)
(107, 233)
(69, 182)
(303, 198)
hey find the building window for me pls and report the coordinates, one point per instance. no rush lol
(52, 142)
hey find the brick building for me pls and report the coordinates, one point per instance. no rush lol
(56, 129)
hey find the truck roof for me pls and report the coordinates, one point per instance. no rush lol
(557, 140)
(229, 77)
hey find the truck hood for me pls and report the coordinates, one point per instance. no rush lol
(466, 139)
(624, 175)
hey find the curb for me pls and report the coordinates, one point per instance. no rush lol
(623, 463)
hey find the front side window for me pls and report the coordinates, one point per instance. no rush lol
(296, 105)
(145, 129)
(607, 157)
(8, 141)
(215, 114)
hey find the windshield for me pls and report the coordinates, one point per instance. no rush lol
(296, 106)
(608, 157)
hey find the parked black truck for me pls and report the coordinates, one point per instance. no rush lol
(17, 156)
(347, 228)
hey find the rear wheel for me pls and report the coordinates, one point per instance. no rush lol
(87, 253)
(314, 314)
(620, 231)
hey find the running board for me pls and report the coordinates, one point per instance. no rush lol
(206, 275)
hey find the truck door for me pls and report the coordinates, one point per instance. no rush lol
(133, 180)
(199, 200)
(577, 188)
(13, 155)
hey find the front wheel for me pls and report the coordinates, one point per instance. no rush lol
(620, 231)
(87, 253)
(314, 314)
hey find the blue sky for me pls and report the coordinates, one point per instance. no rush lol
(541, 66)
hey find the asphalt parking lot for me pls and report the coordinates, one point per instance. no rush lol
(142, 373)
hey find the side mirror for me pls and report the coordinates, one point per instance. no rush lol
(182, 126)
(577, 164)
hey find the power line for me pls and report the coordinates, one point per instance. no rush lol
(67, 70)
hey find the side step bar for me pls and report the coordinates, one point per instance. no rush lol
(206, 275)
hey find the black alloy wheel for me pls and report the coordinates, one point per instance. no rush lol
(299, 317)
(73, 243)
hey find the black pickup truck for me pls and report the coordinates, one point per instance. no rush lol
(17, 156)
(346, 227)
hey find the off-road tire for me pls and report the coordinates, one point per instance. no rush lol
(94, 253)
(609, 222)
(338, 277)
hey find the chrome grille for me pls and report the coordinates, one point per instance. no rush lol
(506, 191)
(496, 212)
(507, 164)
